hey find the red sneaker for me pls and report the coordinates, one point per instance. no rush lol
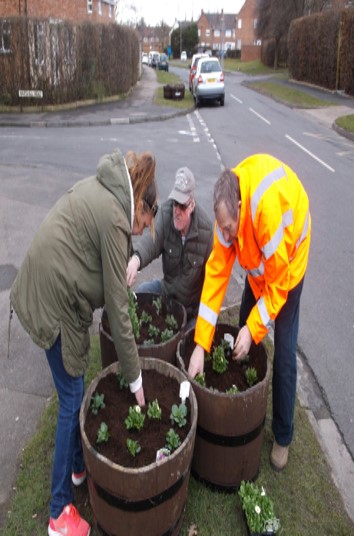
(69, 523)
(78, 478)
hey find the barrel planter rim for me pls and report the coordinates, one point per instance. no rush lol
(85, 407)
(215, 393)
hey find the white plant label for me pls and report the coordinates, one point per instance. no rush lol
(229, 338)
(184, 389)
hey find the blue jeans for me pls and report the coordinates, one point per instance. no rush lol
(286, 330)
(68, 455)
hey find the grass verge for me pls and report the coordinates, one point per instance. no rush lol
(346, 122)
(290, 96)
(306, 500)
(171, 79)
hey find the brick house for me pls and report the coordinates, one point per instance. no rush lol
(246, 23)
(75, 11)
(217, 30)
(154, 37)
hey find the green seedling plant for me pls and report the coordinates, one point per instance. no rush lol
(171, 322)
(154, 411)
(258, 509)
(200, 378)
(97, 403)
(157, 303)
(133, 313)
(220, 363)
(251, 376)
(149, 342)
(166, 335)
(103, 433)
(179, 415)
(153, 332)
(233, 390)
(123, 384)
(135, 418)
(172, 440)
(133, 447)
(145, 318)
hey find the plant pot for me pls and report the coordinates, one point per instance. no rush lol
(167, 92)
(133, 501)
(178, 92)
(166, 351)
(230, 428)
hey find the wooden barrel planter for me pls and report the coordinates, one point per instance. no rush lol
(230, 427)
(166, 351)
(149, 500)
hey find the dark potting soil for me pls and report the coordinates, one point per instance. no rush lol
(235, 373)
(152, 436)
(158, 320)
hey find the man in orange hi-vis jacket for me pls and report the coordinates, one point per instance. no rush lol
(263, 220)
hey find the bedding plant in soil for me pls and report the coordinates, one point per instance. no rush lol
(152, 320)
(153, 434)
(236, 376)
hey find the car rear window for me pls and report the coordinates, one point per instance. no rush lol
(210, 67)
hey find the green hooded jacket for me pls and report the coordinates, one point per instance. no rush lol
(76, 263)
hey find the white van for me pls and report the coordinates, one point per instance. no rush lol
(154, 58)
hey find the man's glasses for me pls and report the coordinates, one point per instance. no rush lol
(181, 206)
(153, 209)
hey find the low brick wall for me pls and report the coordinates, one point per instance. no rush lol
(250, 52)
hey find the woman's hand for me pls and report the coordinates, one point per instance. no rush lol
(196, 363)
(242, 344)
(132, 270)
(140, 398)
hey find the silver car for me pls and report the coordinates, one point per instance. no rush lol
(208, 81)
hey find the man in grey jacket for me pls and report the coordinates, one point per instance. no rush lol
(184, 238)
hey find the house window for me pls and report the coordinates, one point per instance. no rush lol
(228, 33)
(199, 32)
(216, 33)
(239, 24)
(99, 7)
(89, 6)
(110, 11)
(238, 44)
(254, 23)
(39, 43)
(207, 32)
(5, 37)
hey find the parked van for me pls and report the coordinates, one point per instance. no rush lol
(154, 58)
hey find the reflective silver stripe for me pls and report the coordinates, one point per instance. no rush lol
(304, 230)
(208, 314)
(263, 313)
(256, 272)
(263, 186)
(221, 238)
(270, 248)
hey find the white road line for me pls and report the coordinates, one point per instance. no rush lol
(260, 116)
(236, 99)
(309, 153)
(193, 130)
(209, 137)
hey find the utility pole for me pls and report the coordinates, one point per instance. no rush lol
(222, 38)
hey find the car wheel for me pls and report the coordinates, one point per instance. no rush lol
(198, 101)
(222, 101)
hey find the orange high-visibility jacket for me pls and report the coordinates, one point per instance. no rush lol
(272, 245)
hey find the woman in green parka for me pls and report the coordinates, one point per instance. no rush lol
(77, 263)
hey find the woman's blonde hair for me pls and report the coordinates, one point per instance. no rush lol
(142, 173)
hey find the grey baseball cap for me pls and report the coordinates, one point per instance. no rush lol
(183, 189)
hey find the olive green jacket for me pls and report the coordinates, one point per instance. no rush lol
(183, 265)
(76, 263)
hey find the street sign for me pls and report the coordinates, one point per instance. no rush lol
(36, 93)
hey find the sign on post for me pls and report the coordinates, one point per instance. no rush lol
(36, 93)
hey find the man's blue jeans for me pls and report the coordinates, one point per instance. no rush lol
(286, 330)
(68, 455)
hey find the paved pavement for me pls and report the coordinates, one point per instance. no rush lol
(137, 107)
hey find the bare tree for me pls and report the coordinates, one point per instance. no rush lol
(274, 18)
